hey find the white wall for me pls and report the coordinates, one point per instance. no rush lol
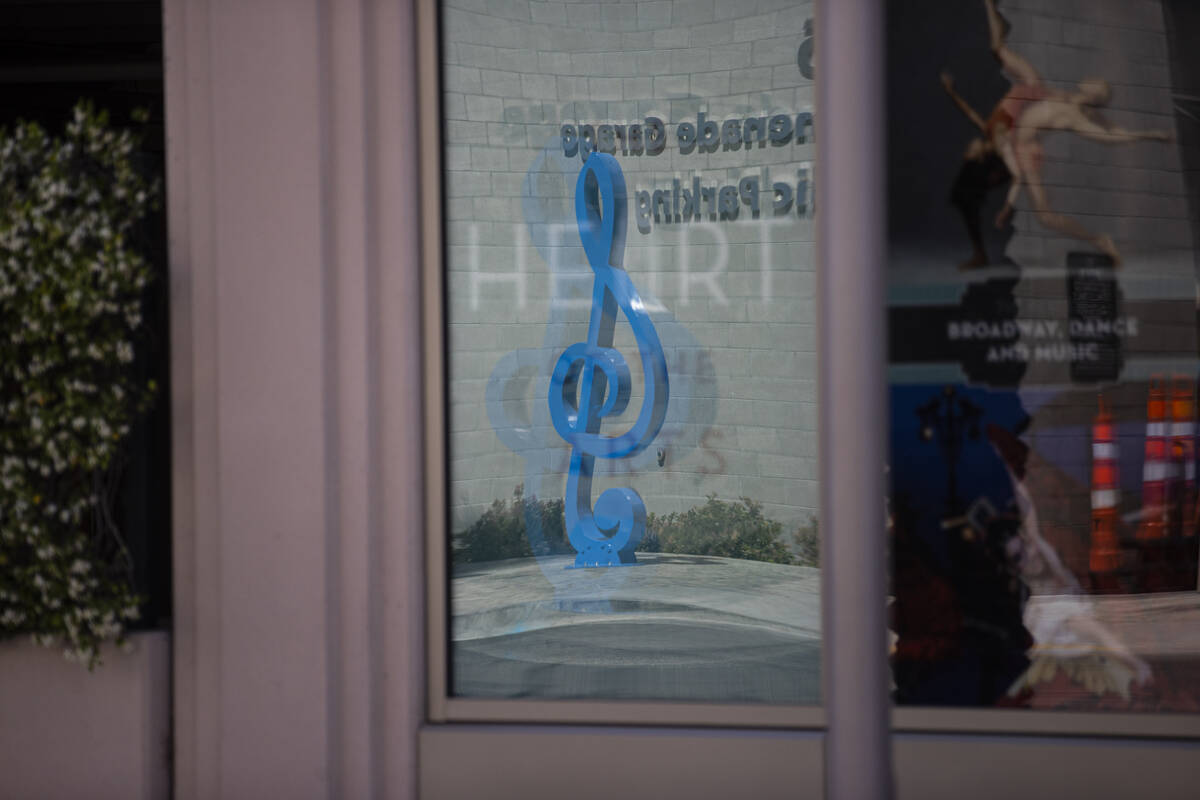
(293, 224)
(66, 732)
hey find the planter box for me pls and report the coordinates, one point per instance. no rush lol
(69, 733)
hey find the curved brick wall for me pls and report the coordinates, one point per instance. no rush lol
(732, 299)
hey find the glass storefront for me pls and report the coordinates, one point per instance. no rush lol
(629, 275)
(1043, 220)
(530, 400)
(630, 351)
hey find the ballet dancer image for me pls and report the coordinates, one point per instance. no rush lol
(1012, 134)
(1068, 636)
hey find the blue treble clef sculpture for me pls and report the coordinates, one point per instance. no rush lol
(591, 379)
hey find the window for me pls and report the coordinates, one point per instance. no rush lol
(1042, 301)
(632, 494)
(543, 106)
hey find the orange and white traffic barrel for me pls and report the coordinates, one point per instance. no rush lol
(1182, 473)
(1104, 554)
(1155, 467)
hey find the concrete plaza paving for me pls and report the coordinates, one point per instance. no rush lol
(674, 627)
(696, 628)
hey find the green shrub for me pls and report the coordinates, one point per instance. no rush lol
(501, 532)
(71, 286)
(719, 528)
(808, 544)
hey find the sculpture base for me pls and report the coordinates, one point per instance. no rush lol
(603, 555)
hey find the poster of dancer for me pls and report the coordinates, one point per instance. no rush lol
(1043, 264)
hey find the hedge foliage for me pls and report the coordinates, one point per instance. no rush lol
(729, 529)
(71, 286)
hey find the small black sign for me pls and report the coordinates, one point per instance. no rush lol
(1094, 308)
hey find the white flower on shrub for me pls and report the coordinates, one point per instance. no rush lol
(71, 284)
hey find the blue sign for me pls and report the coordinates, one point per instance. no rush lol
(591, 379)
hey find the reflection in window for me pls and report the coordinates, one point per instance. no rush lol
(1044, 206)
(631, 351)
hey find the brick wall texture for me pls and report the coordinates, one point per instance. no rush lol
(732, 300)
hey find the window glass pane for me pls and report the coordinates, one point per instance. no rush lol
(631, 350)
(1044, 205)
